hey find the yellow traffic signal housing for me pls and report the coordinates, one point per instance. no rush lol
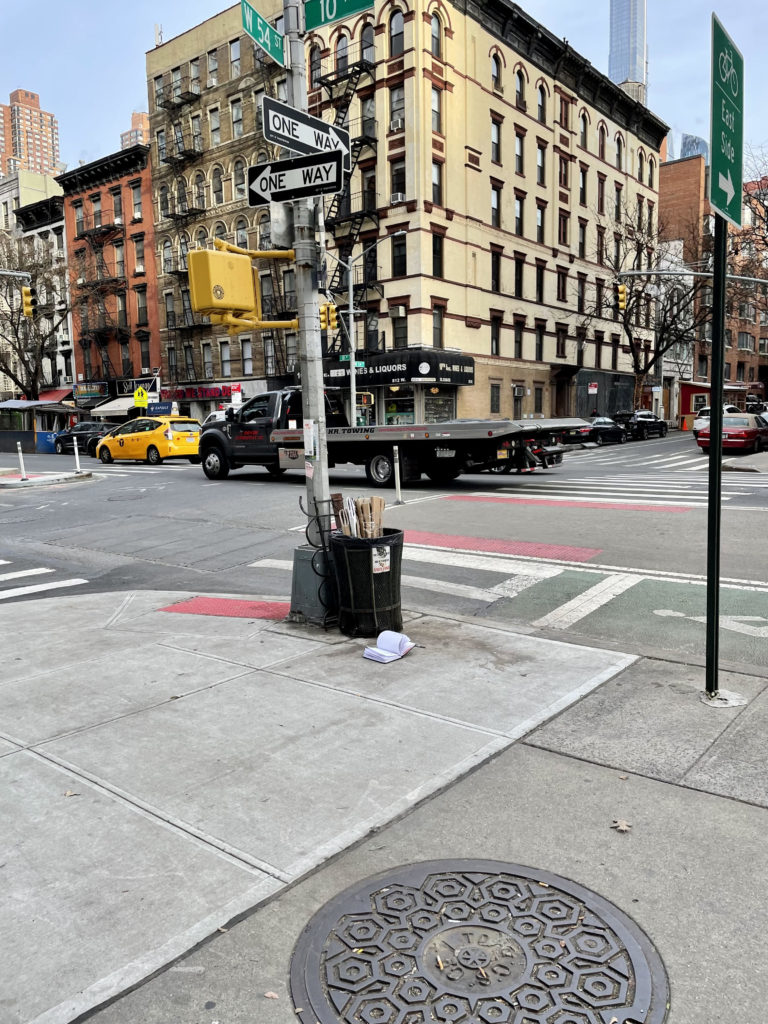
(622, 295)
(333, 320)
(324, 317)
(28, 301)
(221, 282)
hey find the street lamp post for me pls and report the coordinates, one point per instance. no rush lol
(351, 319)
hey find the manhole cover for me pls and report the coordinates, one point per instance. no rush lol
(475, 942)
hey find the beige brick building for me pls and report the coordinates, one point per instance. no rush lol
(509, 161)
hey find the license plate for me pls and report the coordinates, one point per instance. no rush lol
(190, 439)
(502, 453)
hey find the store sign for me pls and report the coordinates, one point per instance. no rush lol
(91, 389)
(411, 366)
(188, 394)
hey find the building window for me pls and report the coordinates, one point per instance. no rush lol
(342, 53)
(583, 127)
(496, 71)
(495, 335)
(601, 246)
(400, 332)
(614, 351)
(241, 233)
(562, 227)
(541, 164)
(519, 215)
(539, 335)
(207, 360)
(601, 142)
(495, 398)
(640, 167)
(437, 120)
(396, 41)
(436, 36)
(138, 254)
(141, 307)
(236, 108)
(397, 170)
(213, 68)
(650, 218)
(581, 293)
(224, 354)
(561, 335)
(437, 326)
(399, 265)
(495, 206)
(617, 252)
(540, 222)
(727, 369)
(495, 142)
(519, 272)
(518, 153)
(239, 179)
(437, 183)
(619, 154)
(234, 59)
(214, 122)
(119, 260)
(217, 186)
(164, 201)
(161, 149)
(520, 90)
(315, 64)
(158, 83)
(396, 103)
(540, 282)
(167, 260)
(563, 174)
(582, 240)
(541, 111)
(583, 186)
(640, 213)
(565, 112)
(367, 39)
(651, 173)
(600, 194)
(562, 285)
(495, 271)
(617, 203)
(136, 201)
(437, 255)
(518, 339)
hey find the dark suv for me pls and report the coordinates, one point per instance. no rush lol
(85, 432)
(642, 424)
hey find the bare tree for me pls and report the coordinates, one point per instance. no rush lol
(26, 344)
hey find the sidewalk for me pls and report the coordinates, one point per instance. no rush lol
(170, 762)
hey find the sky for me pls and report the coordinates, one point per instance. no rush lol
(86, 60)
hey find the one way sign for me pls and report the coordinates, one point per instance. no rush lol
(293, 129)
(281, 181)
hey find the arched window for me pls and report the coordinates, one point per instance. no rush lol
(202, 239)
(367, 40)
(601, 143)
(181, 195)
(217, 186)
(241, 233)
(542, 105)
(239, 179)
(342, 53)
(183, 250)
(619, 154)
(436, 39)
(396, 40)
(220, 231)
(640, 167)
(651, 169)
(496, 71)
(265, 233)
(519, 89)
(583, 125)
(200, 190)
(165, 205)
(314, 67)
(167, 257)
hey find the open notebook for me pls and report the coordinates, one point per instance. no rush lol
(389, 647)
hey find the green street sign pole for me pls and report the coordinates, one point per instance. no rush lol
(262, 33)
(322, 12)
(725, 184)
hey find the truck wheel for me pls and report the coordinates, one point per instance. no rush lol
(215, 464)
(274, 470)
(380, 470)
(443, 474)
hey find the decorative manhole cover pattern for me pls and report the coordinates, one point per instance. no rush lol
(475, 942)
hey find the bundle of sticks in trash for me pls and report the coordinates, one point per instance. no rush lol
(358, 517)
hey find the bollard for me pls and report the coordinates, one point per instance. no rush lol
(398, 495)
(21, 461)
(77, 457)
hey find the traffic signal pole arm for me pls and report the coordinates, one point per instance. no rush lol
(255, 254)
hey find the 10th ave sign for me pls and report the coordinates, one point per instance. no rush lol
(293, 129)
(282, 181)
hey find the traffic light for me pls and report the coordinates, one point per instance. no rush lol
(622, 295)
(28, 301)
(324, 317)
(333, 320)
(221, 282)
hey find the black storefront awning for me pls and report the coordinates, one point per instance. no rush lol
(404, 366)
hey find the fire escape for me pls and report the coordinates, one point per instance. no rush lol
(100, 295)
(348, 213)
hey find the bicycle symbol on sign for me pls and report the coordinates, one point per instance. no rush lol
(728, 72)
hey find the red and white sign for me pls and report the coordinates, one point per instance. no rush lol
(237, 394)
(591, 389)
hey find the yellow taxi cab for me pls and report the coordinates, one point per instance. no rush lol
(152, 439)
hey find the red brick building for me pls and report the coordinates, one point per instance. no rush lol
(113, 281)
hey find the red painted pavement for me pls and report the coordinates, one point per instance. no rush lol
(620, 506)
(230, 608)
(502, 547)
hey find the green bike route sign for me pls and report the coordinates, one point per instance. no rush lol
(322, 12)
(726, 126)
(262, 33)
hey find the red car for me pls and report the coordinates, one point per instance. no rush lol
(746, 432)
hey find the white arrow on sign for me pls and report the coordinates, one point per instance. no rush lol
(299, 131)
(725, 183)
(282, 181)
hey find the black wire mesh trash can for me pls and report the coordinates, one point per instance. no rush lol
(368, 580)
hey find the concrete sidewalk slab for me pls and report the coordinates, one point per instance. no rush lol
(243, 777)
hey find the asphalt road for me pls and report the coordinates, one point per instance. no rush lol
(611, 545)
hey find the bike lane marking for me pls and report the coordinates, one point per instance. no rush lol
(588, 602)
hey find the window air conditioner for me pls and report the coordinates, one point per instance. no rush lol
(67, 380)
(397, 197)
(396, 312)
(145, 369)
(139, 268)
(59, 254)
(80, 282)
(518, 391)
(118, 220)
(397, 125)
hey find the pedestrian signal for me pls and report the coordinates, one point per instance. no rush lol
(28, 301)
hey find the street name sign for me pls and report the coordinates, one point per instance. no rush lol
(281, 181)
(293, 129)
(726, 126)
(322, 12)
(262, 33)
(344, 357)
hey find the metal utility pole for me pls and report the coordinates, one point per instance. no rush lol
(310, 351)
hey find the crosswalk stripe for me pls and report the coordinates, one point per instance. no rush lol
(39, 588)
(22, 572)
(578, 608)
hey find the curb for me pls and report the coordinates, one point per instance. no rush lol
(49, 478)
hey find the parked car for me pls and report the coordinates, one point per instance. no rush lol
(702, 417)
(600, 430)
(93, 444)
(745, 432)
(642, 424)
(152, 439)
(84, 432)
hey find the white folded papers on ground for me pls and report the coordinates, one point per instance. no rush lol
(389, 647)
